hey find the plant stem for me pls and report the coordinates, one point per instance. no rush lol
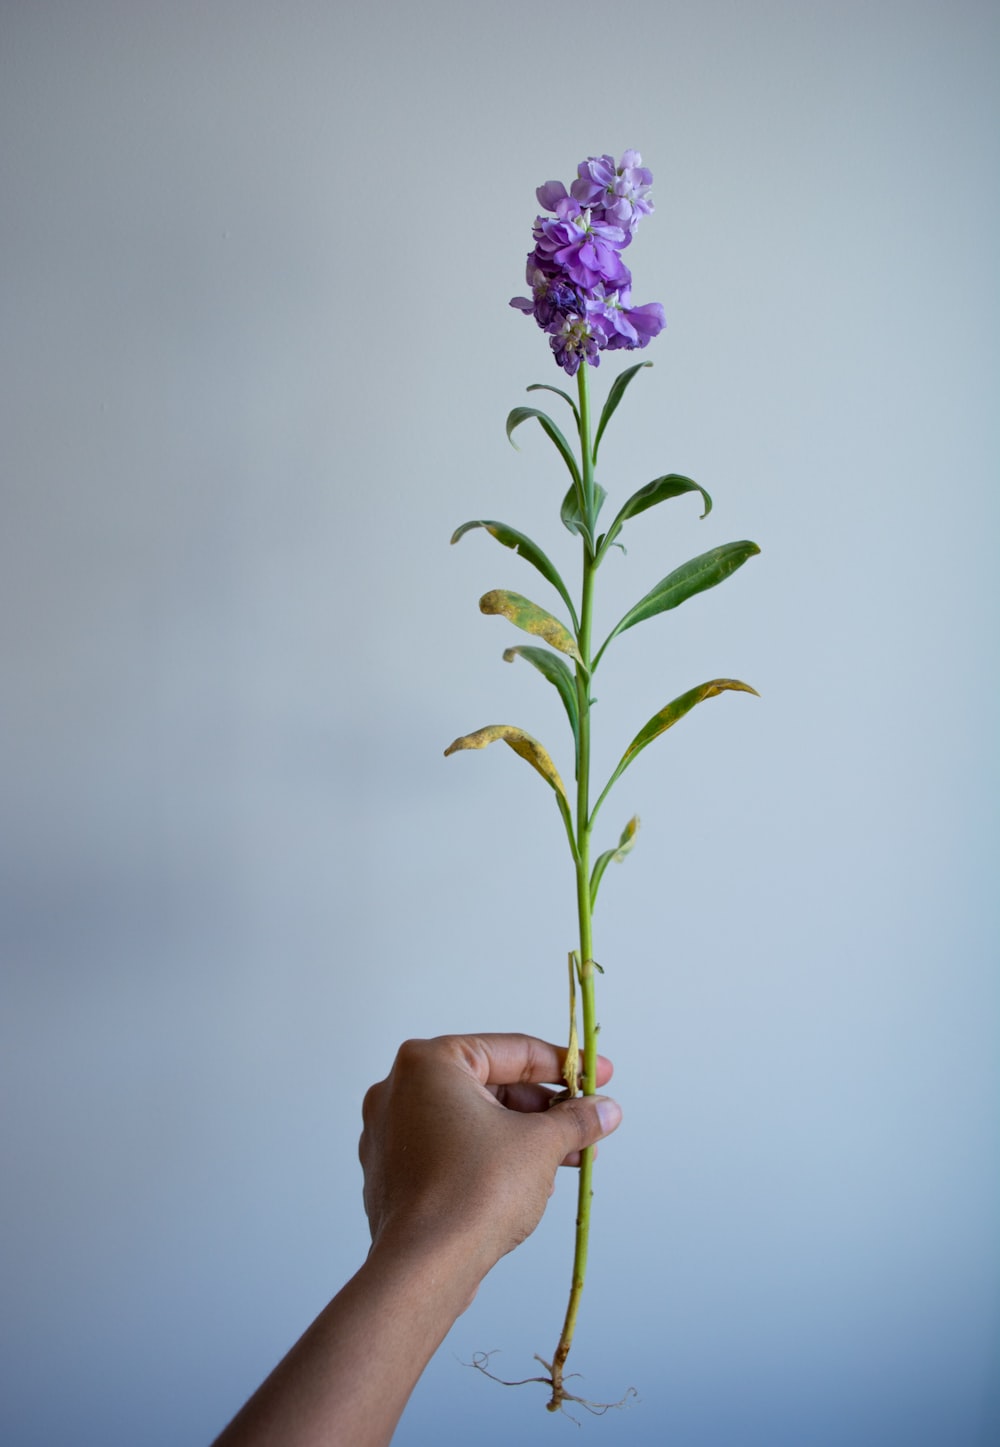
(584, 903)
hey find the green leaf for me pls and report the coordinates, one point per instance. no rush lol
(523, 414)
(558, 673)
(667, 717)
(522, 744)
(544, 387)
(531, 552)
(527, 615)
(695, 576)
(672, 484)
(624, 846)
(615, 395)
(573, 519)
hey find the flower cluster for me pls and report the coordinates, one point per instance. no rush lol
(581, 290)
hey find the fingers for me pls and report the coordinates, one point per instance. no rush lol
(582, 1122)
(605, 1070)
(505, 1060)
(525, 1098)
(574, 1157)
(466, 1119)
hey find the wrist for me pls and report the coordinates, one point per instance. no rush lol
(442, 1265)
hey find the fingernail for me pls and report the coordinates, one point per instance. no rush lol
(609, 1113)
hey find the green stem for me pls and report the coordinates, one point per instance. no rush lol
(586, 451)
(583, 897)
(604, 794)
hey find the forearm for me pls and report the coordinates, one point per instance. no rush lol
(459, 1150)
(348, 1378)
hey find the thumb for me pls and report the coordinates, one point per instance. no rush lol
(584, 1121)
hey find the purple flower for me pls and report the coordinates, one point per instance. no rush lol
(616, 193)
(573, 342)
(551, 194)
(581, 289)
(585, 249)
(552, 297)
(648, 320)
(619, 324)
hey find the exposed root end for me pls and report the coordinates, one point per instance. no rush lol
(556, 1382)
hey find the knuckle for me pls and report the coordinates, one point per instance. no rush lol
(470, 1050)
(412, 1053)
(369, 1104)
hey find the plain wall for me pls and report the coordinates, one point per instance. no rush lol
(256, 359)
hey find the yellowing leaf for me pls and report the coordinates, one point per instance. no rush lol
(668, 716)
(522, 743)
(625, 844)
(528, 616)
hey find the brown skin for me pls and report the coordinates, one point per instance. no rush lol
(460, 1149)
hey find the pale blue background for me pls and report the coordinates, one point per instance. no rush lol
(256, 356)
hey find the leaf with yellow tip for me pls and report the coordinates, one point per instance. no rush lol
(522, 743)
(670, 715)
(530, 618)
(625, 843)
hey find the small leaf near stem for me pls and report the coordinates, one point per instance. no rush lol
(625, 844)
(672, 484)
(573, 519)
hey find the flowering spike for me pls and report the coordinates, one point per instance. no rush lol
(581, 290)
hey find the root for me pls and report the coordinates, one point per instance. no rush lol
(555, 1382)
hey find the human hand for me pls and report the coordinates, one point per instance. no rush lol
(460, 1151)
(462, 1140)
